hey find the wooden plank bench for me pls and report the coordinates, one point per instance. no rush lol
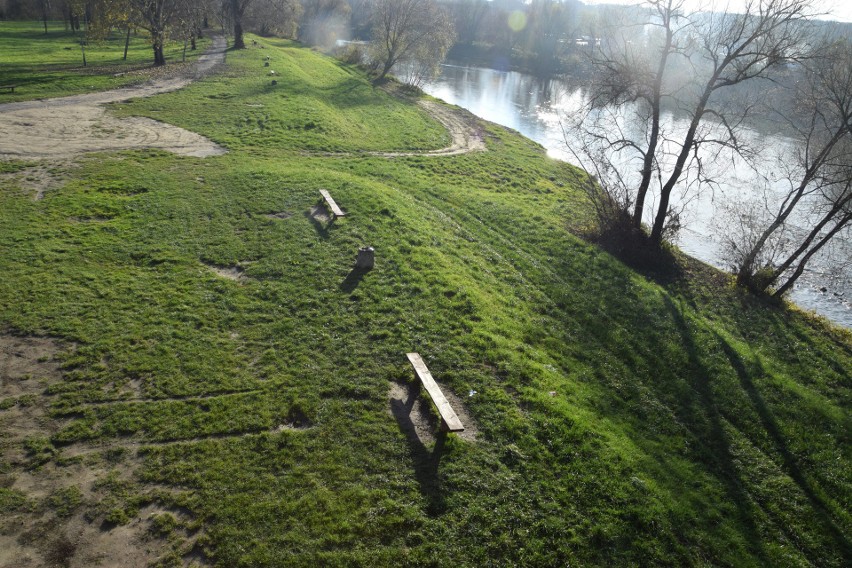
(449, 420)
(8, 87)
(338, 212)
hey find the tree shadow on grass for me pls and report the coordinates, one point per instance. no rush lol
(426, 462)
(714, 450)
(790, 463)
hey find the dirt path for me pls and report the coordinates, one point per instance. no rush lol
(462, 128)
(68, 126)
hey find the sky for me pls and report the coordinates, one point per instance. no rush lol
(839, 10)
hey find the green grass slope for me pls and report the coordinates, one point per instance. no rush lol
(622, 419)
(51, 65)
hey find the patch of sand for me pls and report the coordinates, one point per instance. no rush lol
(419, 422)
(235, 273)
(69, 126)
(38, 179)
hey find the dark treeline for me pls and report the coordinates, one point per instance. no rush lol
(540, 36)
(544, 37)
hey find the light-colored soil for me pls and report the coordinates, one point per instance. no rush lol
(235, 273)
(69, 126)
(418, 421)
(320, 214)
(466, 134)
(38, 179)
(66, 127)
(38, 535)
(28, 366)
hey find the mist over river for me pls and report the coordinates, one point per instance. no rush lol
(533, 107)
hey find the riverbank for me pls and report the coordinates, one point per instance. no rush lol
(193, 371)
(533, 107)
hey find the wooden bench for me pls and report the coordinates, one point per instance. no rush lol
(8, 87)
(337, 211)
(449, 421)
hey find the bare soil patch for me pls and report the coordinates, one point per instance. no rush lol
(44, 534)
(320, 213)
(462, 126)
(69, 126)
(235, 273)
(56, 517)
(28, 365)
(412, 410)
(37, 180)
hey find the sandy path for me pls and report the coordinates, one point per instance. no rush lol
(68, 126)
(466, 136)
(65, 127)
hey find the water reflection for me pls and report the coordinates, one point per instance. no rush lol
(533, 106)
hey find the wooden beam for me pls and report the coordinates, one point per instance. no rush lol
(449, 420)
(331, 204)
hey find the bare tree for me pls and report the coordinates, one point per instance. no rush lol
(156, 16)
(468, 19)
(818, 176)
(45, 8)
(237, 9)
(685, 63)
(407, 29)
(273, 17)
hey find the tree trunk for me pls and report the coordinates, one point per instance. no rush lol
(801, 268)
(685, 150)
(126, 43)
(157, 46)
(648, 161)
(236, 14)
(239, 43)
(385, 70)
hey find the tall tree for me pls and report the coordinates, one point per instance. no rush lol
(401, 28)
(273, 17)
(817, 206)
(45, 8)
(237, 9)
(687, 62)
(155, 17)
(468, 18)
(550, 31)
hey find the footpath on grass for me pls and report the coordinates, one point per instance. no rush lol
(65, 127)
(69, 126)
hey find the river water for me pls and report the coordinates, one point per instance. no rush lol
(533, 107)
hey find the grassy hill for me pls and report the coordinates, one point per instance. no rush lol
(207, 378)
(51, 65)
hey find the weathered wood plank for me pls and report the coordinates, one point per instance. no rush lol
(450, 421)
(331, 204)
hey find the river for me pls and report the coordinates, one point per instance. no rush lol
(533, 107)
